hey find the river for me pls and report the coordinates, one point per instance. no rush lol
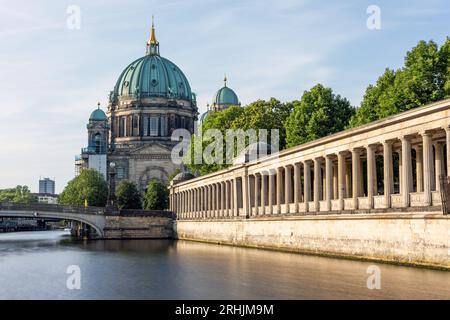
(33, 265)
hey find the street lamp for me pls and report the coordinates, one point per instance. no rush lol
(112, 186)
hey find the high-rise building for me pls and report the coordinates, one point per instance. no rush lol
(46, 185)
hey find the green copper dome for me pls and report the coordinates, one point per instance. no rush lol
(153, 76)
(98, 115)
(226, 96)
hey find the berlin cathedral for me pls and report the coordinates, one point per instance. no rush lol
(152, 98)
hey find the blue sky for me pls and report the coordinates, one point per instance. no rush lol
(52, 76)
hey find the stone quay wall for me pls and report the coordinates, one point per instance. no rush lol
(411, 238)
(136, 224)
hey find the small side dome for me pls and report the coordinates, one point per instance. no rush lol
(98, 115)
(253, 152)
(183, 176)
(226, 96)
(203, 116)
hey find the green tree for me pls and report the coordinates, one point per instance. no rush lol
(220, 120)
(19, 194)
(424, 78)
(319, 113)
(268, 115)
(156, 197)
(128, 196)
(258, 115)
(89, 185)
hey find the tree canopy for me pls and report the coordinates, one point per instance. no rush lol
(424, 78)
(319, 113)
(128, 196)
(89, 185)
(19, 194)
(261, 114)
(156, 196)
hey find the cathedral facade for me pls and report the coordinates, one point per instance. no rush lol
(152, 98)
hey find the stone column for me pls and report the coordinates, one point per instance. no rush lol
(203, 199)
(371, 174)
(270, 196)
(222, 199)
(388, 177)
(307, 184)
(317, 183)
(296, 186)
(235, 198)
(257, 196)
(227, 198)
(206, 199)
(355, 176)
(329, 180)
(342, 168)
(406, 170)
(263, 193)
(217, 212)
(419, 168)
(279, 189)
(287, 188)
(427, 169)
(439, 167)
(447, 144)
(245, 195)
(188, 203)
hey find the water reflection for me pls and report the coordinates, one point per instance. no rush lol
(33, 266)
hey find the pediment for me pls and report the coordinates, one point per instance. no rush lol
(152, 148)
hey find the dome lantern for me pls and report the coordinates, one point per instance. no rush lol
(152, 43)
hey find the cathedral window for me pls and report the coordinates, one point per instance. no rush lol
(146, 125)
(135, 125)
(98, 143)
(154, 126)
(163, 126)
(120, 172)
(122, 126)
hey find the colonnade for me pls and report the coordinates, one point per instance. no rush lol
(398, 168)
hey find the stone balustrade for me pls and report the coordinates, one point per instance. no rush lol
(391, 163)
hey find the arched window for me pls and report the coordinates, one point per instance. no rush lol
(98, 143)
(154, 126)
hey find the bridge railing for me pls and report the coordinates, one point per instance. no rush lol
(40, 207)
(52, 208)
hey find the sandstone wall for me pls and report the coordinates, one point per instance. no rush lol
(413, 238)
(138, 227)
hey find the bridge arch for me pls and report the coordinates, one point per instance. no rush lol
(96, 221)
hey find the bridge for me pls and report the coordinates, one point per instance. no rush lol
(108, 223)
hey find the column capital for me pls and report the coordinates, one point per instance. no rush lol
(371, 146)
(447, 128)
(357, 150)
(426, 133)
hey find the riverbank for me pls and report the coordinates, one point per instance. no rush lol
(411, 239)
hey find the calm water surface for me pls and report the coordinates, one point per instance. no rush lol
(33, 266)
